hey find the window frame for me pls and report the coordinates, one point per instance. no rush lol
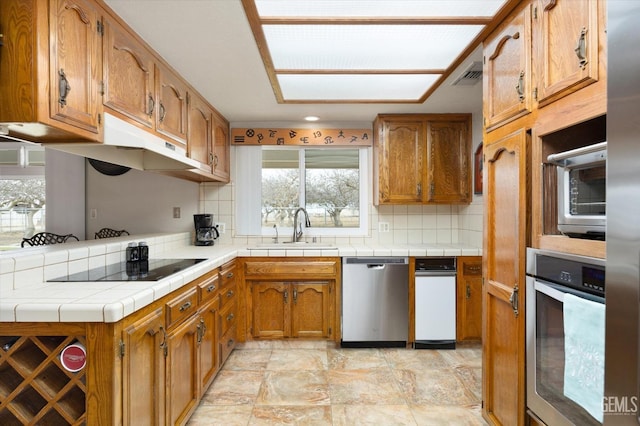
(247, 210)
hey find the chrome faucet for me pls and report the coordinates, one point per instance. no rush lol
(297, 233)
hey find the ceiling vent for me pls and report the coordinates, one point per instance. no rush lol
(470, 76)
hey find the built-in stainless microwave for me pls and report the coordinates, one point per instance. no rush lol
(582, 194)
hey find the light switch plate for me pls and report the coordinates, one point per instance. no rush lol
(176, 212)
(383, 226)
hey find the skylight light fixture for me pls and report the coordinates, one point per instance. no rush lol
(312, 118)
(367, 51)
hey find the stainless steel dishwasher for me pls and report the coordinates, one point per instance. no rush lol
(375, 302)
(435, 303)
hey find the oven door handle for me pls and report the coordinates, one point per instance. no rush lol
(557, 292)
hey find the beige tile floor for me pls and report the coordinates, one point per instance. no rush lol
(316, 383)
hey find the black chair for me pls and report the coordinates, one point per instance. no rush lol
(110, 233)
(46, 238)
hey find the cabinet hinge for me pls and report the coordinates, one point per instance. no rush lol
(330, 331)
(102, 88)
(188, 99)
(100, 28)
(535, 94)
(99, 118)
(535, 12)
(121, 344)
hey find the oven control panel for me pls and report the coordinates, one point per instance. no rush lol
(580, 275)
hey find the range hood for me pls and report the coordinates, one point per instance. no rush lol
(130, 146)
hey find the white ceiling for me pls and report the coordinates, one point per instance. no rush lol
(210, 43)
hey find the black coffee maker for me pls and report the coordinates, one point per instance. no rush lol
(206, 231)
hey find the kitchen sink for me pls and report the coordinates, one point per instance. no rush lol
(288, 245)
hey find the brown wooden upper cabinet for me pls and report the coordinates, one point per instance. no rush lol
(567, 34)
(199, 132)
(128, 75)
(50, 69)
(171, 116)
(507, 71)
(422, 159)
(221, 148)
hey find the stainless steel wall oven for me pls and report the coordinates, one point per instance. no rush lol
(565, 337)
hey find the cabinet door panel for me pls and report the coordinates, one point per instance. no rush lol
(507, 71)
(128, 75)
(568, 44)
(271, 309)
(505, 241)
(75, 63)
(221, 147)
(449, 150)
(181, 371)
(200, 120)
(209, 356)
(310, 310)
(402, 162)
(143, 371)
(172, 105)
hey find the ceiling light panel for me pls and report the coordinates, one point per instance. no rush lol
(362, 87)
(378, 47)
(378, 8)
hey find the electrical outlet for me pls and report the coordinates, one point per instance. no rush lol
(93, 214)
(176, 212)
(383, 227)
(222, 227)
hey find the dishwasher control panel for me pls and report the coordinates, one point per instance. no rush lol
(436, 264)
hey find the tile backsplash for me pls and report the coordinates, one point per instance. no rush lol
(428, 224)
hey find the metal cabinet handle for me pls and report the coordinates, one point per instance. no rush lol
(230, 293)
(581, 48)
(211, 288)
(230, 342)
(163, 112)
(230, 317)
(286, 296)
(63, 87)
(211, 159)
(186, 306)
(520, 86)
(151, 105)
(419, 190)
(230, 275)
(163, 344)
(468, 292)
(198, 334)
(513, 299)
(295, 296)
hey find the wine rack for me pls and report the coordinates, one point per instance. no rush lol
(35, 388)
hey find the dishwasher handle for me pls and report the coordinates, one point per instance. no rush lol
(375, 266)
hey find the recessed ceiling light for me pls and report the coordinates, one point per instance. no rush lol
(312, 118)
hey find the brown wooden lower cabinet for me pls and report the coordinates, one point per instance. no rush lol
(151, 368)
(282, 309)
(291, 297)
(469, 298)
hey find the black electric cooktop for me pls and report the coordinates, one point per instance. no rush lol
(151, 270)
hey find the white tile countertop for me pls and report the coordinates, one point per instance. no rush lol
(26, 296)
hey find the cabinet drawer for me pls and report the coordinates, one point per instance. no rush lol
(472, 268)
(227, 343)
(228, 316)
(291, 269)
(209, 286)
(228, 295)
(228, 274)
(182, 306)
